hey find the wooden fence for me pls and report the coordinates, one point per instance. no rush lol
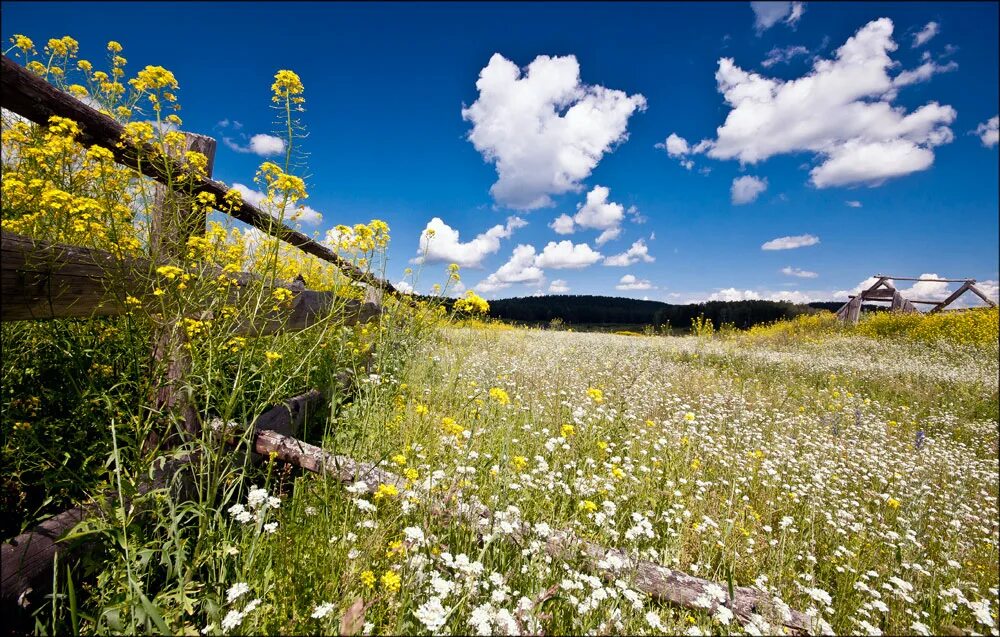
(41, 280)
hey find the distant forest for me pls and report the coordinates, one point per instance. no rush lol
(608, 310)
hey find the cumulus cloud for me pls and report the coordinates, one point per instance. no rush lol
(526, 265)
(786, 54)
(989, 131)
(597, 213)
(520, 268)
(768, 14)
(261, 144)
(922, 73)
(853, 203)
(734, 294)
(802, 274)
(303, 214)
(558, 286)
(439, 242)
(566, 254)
(630, 282)
(923, 36)
(675, 145)
(404, 287)
(841, 111)
(746, 189)
(636, 253)
(788, 243)
(543, 129)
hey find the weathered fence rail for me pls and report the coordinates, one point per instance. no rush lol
(35, 99)
(44, 280)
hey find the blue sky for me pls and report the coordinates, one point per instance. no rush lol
(792, 130)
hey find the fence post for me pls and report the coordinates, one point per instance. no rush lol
(172, 222)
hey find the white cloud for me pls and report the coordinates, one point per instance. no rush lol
(678, 148)
(566, 254)
(734, 294)
(563, 224)
(788, 243)
(520, 268)
(260, 144)
(746, 189)
(629, 282)
(922, 73)
(923, 36)
(767, 14)
(927, 290)
(853, 203)
(637, 252)
(445, 246)
(544, 129)
(841, 111)
(558, 286)
(989, 131)
(404, 287)
(990, 288)
(783, 55)
(302, 214)
(597, 213)
(802, 274)
(675, 145)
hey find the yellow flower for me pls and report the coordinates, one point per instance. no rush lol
(23, 42)
(519, 462)
(893, 503)
(114, 47)
(399, 459)
(499, 395)
(472, 303)
(689, 416)
(421, 410)
(132, 301)
(695, 464)
(588, 505)
(368, 579)
(286, 83)
(169, 271)
(390, 581)
(617, 473)
(451, 427)
(595, 395)
(272, 356)
(567, 431)
(385, 490)
(411, 474)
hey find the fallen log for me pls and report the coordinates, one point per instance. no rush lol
(661, 583)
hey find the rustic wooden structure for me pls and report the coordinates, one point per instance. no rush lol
(883, 290)
(41, 280)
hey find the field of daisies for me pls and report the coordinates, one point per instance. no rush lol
(850, 478)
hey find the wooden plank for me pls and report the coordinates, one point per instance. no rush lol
(980, 294)
(174, 220)
(35, 99)
(43, 280)
(906, 278)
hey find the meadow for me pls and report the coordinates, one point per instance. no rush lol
(849, 473)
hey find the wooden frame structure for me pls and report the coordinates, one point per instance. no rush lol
(883, 290)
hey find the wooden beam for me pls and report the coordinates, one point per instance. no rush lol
(35, 99)
(980, 294)
(43, 280)
(905, 278)
(174, 220)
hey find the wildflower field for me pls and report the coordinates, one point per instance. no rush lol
(849, 474)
